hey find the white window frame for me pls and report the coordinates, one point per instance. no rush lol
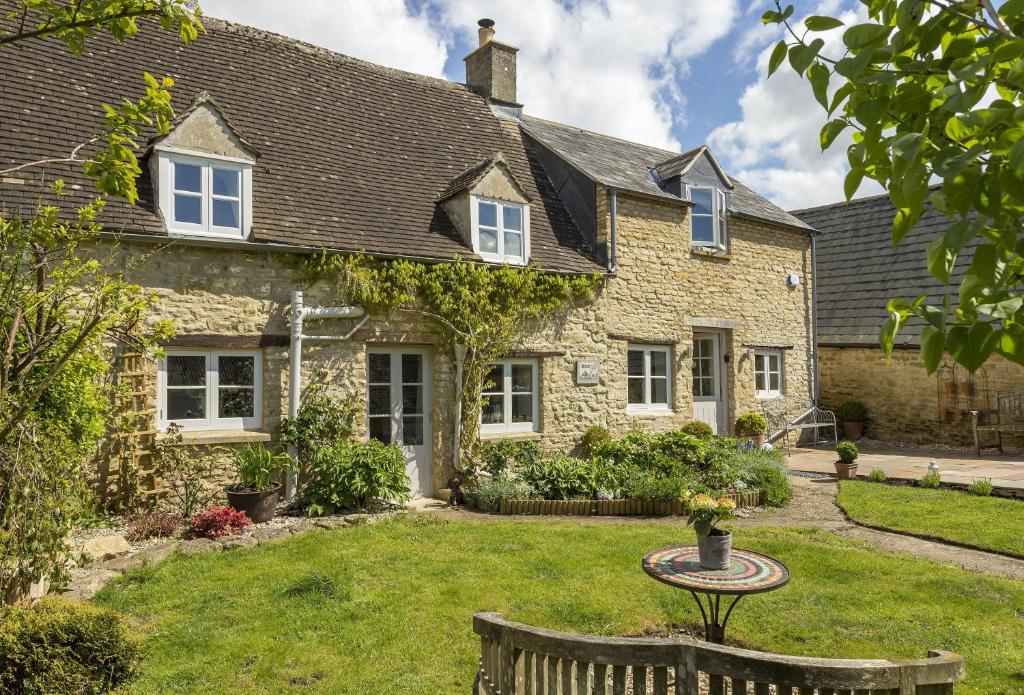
(766, 357)
(169, 158)
(505, 389)
(500, 257)
(719, 210)
(211, 421)
(647, 406)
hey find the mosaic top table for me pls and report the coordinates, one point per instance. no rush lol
(749, 573)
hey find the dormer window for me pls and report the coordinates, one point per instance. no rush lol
(205, 196)
(707, 217)
(501, 231)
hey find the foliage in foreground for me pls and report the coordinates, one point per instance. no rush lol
(350, 474)
(915, 86)
(993, 523)
(60, 647)
(406, 590)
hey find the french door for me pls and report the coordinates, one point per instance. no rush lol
(708, 381)
(398, 408)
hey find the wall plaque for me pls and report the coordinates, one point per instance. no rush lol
(587, 373)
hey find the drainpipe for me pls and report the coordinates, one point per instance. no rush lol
(814, 319)
(299, 313)
(613, 241)
(460, 358)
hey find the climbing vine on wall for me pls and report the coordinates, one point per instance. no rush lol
(489, 309)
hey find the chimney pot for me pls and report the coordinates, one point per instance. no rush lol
(486, 30)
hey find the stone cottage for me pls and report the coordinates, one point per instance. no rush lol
(858, 271)
(281, 148)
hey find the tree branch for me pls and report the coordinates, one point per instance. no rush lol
(70, 159)
(49, 29)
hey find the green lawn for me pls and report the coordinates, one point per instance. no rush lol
(386, 608)
(986, 522)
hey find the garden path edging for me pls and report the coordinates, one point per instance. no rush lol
(629, 507)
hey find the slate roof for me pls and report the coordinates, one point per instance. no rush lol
(472, 176)
(859, 269)
(352, 155)
(627, 166)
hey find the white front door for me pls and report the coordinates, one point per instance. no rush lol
(708, 386)
(398, 408)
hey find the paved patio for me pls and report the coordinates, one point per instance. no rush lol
(1005, 471)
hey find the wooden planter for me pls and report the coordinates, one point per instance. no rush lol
(612, 507)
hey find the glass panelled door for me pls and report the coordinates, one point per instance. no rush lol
(708, 403)
(398, 398)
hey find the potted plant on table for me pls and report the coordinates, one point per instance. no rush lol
(846, 466)
(752, 426)
(256, 493)
(714, 545)
(853, 415)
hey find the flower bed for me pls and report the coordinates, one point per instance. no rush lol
(633, 507)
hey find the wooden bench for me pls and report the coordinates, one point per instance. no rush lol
(517, 659)
(784, 417)
(1007, 417)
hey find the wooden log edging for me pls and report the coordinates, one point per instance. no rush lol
(630, 507)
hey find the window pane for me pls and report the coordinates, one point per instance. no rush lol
(380, 428)
(488, 214)
(773, 381)
(488, 241)
(411, 369)
(236, 370)
(225, 182)
(380, 369)
(186, 404)
(759, 381)
(522, 408)
(493, 411)
(773, 363)
(412, 430)
(659, 391)
(636, 390)
(188, 208)
(701, 199)
(514, 245)
(635, 363)
(758, 363)
(522, 378)
(379, 400)
(495, 381)
(512, 217)
(659, 363)
(186, 370)
(225, 213)
(235, 402)
(412, 400)
(703, 229)
(188, 177)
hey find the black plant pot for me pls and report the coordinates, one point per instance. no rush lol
(258, 506)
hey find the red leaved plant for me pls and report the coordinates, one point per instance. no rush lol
(217, 521)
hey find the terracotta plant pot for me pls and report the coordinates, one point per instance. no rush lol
(846, 471)
(258, 506)
(967, 388)
(950, 388)
(854, 430)
(714, 551)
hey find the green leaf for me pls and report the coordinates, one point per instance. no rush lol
(830, 131)
(778, 55)
(940, 259)
(821, 23)
(818, 75)
(802, 55)
(933, 347)
(971, 346)
(907, 146)
(852, 182)
(862, 35)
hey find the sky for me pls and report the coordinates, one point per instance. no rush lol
(669, 73)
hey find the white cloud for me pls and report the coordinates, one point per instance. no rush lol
(385, 32)
(774, 146)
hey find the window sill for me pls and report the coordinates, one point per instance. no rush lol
(514, 436)
(650, 412)
(210, 437)
(710, 252)
(767, 397)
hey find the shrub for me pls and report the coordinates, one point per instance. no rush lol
(488, 494)
(698, 429)
(852, 411)
(255, 465)
(750, 425)
(186, 472)
(141, 527)
(930, 480)
(593, 439)
(877, 476)
(981, 487)
(765, 471)
(61, 647)
(667, 452)
(349, 474)
(566, 477)
(847, 451)
(217, 521)
(322, 422)
(496, 456)
(651, 486)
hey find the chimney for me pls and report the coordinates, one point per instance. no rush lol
(491, 68)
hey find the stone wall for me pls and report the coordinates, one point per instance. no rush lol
(659, 286)
(905, 404)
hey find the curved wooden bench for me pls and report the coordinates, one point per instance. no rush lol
(523, 660)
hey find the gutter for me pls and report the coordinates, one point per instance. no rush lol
(815, 396)
(613, 237)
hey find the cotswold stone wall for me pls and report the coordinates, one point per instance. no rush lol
(905, 404)
(660, 282)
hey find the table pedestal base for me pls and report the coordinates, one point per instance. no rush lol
(714, 621)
